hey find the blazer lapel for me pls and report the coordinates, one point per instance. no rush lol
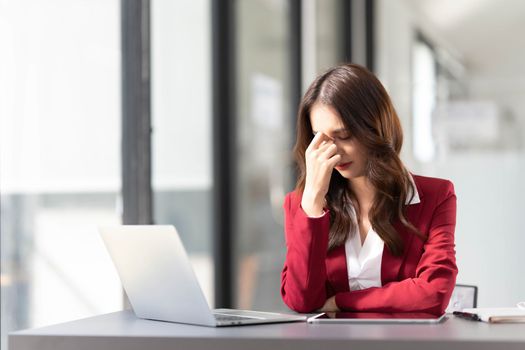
(336, 267)
(391, 264)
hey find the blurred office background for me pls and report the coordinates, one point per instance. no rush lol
(222, 82)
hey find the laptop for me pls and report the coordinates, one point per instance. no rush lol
(160, 283)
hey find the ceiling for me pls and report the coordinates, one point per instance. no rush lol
(489, 34)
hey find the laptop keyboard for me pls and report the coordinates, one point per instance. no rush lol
(224, 317)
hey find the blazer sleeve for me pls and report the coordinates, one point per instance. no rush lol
(303, 276)
(431, 288)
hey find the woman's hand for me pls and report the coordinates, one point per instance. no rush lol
(329, 305)
(321, 158)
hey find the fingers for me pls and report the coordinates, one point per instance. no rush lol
(326, 155)
(327, 151)
(316, 141)
(332, 162)
(325, 145)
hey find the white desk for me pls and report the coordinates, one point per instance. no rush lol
(122, 330)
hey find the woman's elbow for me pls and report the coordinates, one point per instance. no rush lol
(301, 304)
(443, 293)
(300, 307)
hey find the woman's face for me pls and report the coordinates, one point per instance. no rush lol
(326, 119)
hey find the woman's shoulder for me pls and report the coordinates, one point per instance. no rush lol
(430, 187)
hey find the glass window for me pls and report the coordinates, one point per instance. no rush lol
(330, 36)
(423, 101)
(264, 128)
(60, 159)
(181, 120)
(323, 37)
(265, 136)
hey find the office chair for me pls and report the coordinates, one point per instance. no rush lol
(463, 296)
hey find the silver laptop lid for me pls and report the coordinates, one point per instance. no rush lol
(156, 274)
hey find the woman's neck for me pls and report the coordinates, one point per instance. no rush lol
(364, 191)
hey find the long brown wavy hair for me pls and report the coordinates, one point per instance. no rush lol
(367, 111)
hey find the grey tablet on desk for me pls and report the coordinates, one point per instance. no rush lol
(373, 317)
(160, 283)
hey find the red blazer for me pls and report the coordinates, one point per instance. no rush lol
(421, 280)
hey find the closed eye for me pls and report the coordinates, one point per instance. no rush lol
(338, 136)
(344, 137)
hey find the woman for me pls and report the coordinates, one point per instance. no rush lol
(362, 233)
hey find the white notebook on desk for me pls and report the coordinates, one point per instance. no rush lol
(499, 315)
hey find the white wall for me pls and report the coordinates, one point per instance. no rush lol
(489, 231)
(489, 186)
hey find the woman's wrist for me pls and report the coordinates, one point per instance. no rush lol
(312, 204)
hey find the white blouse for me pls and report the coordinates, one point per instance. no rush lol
(363, 261)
